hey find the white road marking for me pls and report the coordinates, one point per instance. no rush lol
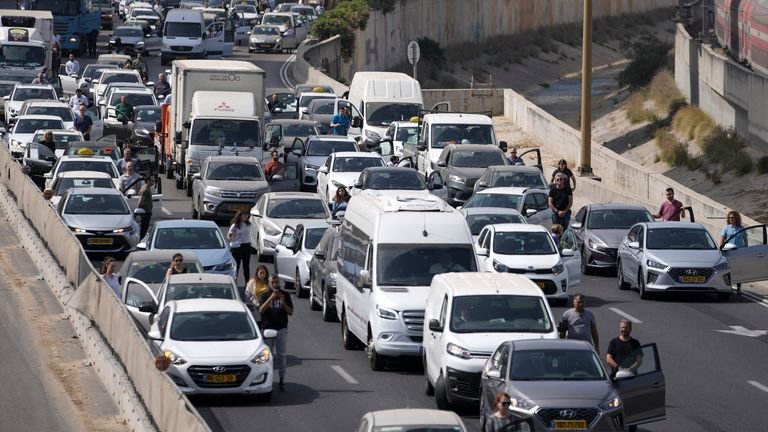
(344, 374)
(284, 72)
(741, 331)
(626, 315)
(166, 211)
(758, 385)
(755, 299)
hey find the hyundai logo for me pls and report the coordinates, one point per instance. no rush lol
(691, 272)
(567, 414)
(238, 194)
(219, 369)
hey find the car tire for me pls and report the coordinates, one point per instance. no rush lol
(329, 315)
(641, 286)
(483, 419)
(429, 389)
(724, 297)
(195, 213)
(585, 270)
(313, 305)
(441, 395)
(623, 284)
(375, 360)
(348, 339)
(300, 293)
(264, 397)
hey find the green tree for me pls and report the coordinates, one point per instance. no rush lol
(647, 56)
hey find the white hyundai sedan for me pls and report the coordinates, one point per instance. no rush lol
(214, 347)
(342, 169)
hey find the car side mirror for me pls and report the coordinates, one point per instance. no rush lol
(150, 84)
(139, 211)
(305, 110)
(729, 246)
(435, 186)
(421, 146)
(623, 374)
(270, 334)
(155, 335)
(481, 185)
(364, 279)
(358, 185)
(297, 152)
(493, 374)
(442, 164)
(141, 246)
(566, 253)
(357, 122)
(530, 212)
(434, 325)
(576, 225)
(319, 255)
(634, 245)
(196, 176)
(148, 308)
(323, 169)
(482, 252)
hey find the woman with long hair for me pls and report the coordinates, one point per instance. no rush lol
(240, 232)
(734, 233)
(340, 200)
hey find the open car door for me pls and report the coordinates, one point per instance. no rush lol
(137, 296)
(285, 253)
(747, 253)
(573, 261)
(641, 386)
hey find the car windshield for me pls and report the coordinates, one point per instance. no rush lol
(286, 102)
(279, 20)
(112, 152)
(188, 238)
(355, 164)
(183, 29)
(96, 204)
(323, 107)
(61, 140)
(493, 200)
(6, 89)
(617, 219)
(384, 113)
(63, 112)
(135, 99)
(28, 126)
(100, 166)
(266, 30)
(477, 222)
(23, 94)
(325, 148)
(212, 326)
(154, 272)
(416, 264)
(245, 8)
(523, 243)
(148, 115)
(120, 78)
(313, 236)
(65, 184)
(92, 72)
(444, 134)
(296, 208)
(401, 179)
(476, 159)
(128, 32)
(200, 290)
(556, 365)
(500, 313)
(517, 179)
(215, 132)
(234, 171)
(407, 134)
(680, 239)
(299, 130)
(22, 55)
(305, 100)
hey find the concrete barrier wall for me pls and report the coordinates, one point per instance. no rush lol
(732, 95)
(466, 100)
(319, 62)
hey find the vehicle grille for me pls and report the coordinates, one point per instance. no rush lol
(239, 195)
(549, 286)
(529, 271)
(610, 252)
(61, 28)
(462, 387)
(471, 183)
(677, 272)
(548, 415)
(414, 320)
(198, 374)
(180, 48)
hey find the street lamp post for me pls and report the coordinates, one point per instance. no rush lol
(585, 167)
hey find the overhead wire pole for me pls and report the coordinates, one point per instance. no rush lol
(585, 167)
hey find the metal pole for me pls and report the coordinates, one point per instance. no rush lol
(585, 167)
(414, 71)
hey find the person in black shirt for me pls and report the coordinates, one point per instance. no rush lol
(275, 307)
(48, 141)
(562, 168)
(177, 265)
(561, 200)
(620, 348)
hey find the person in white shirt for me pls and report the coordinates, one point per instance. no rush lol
(56, 37)
(240, 232)
(73, 66)
(76, 100)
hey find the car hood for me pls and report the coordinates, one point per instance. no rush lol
(685, 258)
(315, 160)
(265, 38)
(98, 222)
(23, 138)
(149, 126)
(611, 237)
(209, 257)
(486, 343)
(531, 262)
(467, 173)
(127, 40)
(238, 185)
(224, 351)
(562, 393)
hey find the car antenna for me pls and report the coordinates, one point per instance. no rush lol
(424, 226)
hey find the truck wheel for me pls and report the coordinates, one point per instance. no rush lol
(441, 396)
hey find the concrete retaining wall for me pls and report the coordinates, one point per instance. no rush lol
(731, 94)
(319, 62)
(467, 100)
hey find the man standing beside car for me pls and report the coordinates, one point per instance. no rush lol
(620, 348)
(579, 323)
(340, 122)
(561, 200)
(145, 202)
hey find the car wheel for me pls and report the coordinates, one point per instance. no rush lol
(441, 395)
(313, 305)
(300, 292)
(724, 297)
(349, 340)
(584, 266)
(195, 214)
(641, 286)
(200, 215)
(623, 285)
(329, 314)
(483, 419)
(189, 188)
(429, 389)
(375, 360)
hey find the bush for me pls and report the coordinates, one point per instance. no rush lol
(671, 151)
(431, 51)
(343, 20)
(636, 112)
(693, 123)
(727, 149)
(647, 56)
(664, 93)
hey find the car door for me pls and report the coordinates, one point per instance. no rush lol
(69, 84)
(644, 392)
(632, 256)
(229, 36)
(213, 39)
(579, 226)
(135, 295)
(494, 376)
(479, 247)
(285, 254)
(97, 129)
(750, 263)
(152, 41)
(322, 179)
(434, 343)
(273, 136)
(406, 162)
(436, 185)
(572, 263)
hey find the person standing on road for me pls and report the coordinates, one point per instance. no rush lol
(561, 200)
(48, 141)
(671, 209)
(40, 79)
(274, 167)
(340, 122)
(72, 66)
(579, 323)
(83, 123)
(502, 417)
(619, 349)
(514, 159)
(140, 65)
(127, 157)
(55, 59)
(275, 308)
(240, 232)
(77, 100)
(273, 103)
(177, 265)
(258, 285)
(145, 202)
(129, 179)
(734, 231)
(124, 110)
(93, 36)
(562, 168)
(162, 88)
(108, 268)
(340, 200)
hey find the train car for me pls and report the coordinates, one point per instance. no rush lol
(741, 26)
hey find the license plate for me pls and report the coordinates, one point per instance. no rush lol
(178, 57)
(693, 279)
(540, 284)
(99, 241)
(220, 378)
(570, 425)
(240, 207)
(265, 45)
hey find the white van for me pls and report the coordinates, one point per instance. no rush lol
(186, 36)
(468, 315)
(384, 97)
(391, 247)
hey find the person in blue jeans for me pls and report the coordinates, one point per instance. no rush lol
(734, 233)
(561, 200)
(340, 122)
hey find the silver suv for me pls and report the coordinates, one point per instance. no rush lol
(226, 185)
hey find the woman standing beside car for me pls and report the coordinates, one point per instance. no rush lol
(240, 232)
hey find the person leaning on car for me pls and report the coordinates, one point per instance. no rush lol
(620, 348)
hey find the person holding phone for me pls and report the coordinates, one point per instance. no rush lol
(275, 307)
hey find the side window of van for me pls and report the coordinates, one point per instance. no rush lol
(354, 253)
(443, 310)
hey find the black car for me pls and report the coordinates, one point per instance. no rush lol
(322, 274)
(143, 130)
(461, 165)
(38, 161)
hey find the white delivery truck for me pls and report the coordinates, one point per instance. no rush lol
(187, 36)
(25, 44)
(216, 108)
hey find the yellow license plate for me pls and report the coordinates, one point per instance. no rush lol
(540, 284)
(220, 378)
(693, 279)
(570, 425)
(99, 241)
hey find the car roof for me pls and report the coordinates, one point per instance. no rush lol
(138, 107)
(515, 168)
(34, 86)
(84, 174)
(406, 123)
(157, 255)
(489, 210)
(200, 278)
(519, 227)
(357, 154)
(95, 158)
(185, 223)
(208, 305)
(39, 117)
(473, 147)
(328, 94)
(232, 159)
(414, 416)
(615, 206)
(59, 131)
(292, 195)
(506, 190)
(330, 138)
(293, 122)
(673, 225)
(94, 191)
(548, 344)
(488, 283)
(49, 102)
(315, 223)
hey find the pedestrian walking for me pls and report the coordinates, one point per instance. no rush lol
(108, 267)
(92, 38)
(561, 201)
(734, 233)
(83, 123)
(177, 265)
(77, 100)
(145, 202)
(579, 323)
(275, 306)
(258, 285)
(671, 209)
(562, 168)
(620, 348)
(503, 418)
(240, 232)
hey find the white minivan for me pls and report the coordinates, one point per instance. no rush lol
(468, 315)
(293, 30)
(186, 36)
(392, 245)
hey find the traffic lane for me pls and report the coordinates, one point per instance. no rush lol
(703, 367)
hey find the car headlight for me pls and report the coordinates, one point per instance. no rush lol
(139, 44)
(277, 40)
(271, 231)
(456, 179)
(653, 264)
(594, 245)
(17, 143)
(165, 47)
(499, 267)
(77, 230)
(174, 358)
(458, 351)
(214, 192)
(142, 132)
(309, 167)
(611, 403)
(556, 270)
(73, 39)
(386, 313)
(191, 167)
(262, 357)
(722, 265)
(373, 136)
(522, 403)
(229, 265)
(122, 230)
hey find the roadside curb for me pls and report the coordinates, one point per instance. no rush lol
(107, 366)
